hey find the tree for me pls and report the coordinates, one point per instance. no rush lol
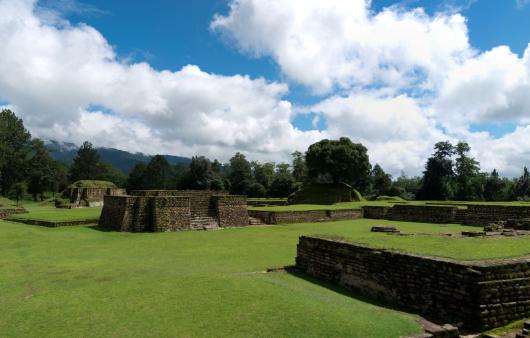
(407, 187)
(18, 191)
(283, 183)
(200, 174)
(108, 172)
(158, 173)
(86, 164)
(467, 171)
(299, 167)
(41, 166)
(240, 176)
(521, 189)
(381, 181)
(331, 161)
(263, 173)
(438, 174)
(256, 190)
(14, 150)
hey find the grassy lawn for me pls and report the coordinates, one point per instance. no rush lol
(47, 212)
(80, 282)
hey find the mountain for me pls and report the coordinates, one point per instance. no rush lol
(123, 160)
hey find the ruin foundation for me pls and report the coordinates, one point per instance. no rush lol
(173, 210)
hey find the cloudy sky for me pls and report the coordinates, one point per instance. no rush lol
(267, 77)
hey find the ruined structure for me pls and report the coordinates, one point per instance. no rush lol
(87, 194)
(173, 210)
(480, 294)
(480, 215)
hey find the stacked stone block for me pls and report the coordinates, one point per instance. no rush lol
(172, 210)
(482, 295)
(287, 217)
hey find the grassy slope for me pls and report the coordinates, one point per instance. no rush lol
(77, 281)
(7, 204)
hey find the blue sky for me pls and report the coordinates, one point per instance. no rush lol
(266, 77)
(171, 34)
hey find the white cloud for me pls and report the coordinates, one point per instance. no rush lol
(402, 74)
(54, 72)
(323, 44)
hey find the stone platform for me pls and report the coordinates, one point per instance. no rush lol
(173, 210)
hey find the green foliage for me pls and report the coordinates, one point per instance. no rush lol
(436, 182)
(381, 181)
(331, 161)
(18, 191)
(256, 190)
(283, 183)
(263, 173)
(299, 167)
(467, 184)
(323, 193)
(41, 170)
(158, 174)
(135, 181)
(86, 164)
(521, 189)
(14, 151)
(240, 174)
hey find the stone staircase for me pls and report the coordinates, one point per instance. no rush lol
(203, 213)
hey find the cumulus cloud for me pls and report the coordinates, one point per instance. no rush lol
(55, 71)
(337, 43)
(397, 80)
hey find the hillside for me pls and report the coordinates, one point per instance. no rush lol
(123, 160)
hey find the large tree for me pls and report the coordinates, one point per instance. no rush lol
(41, 170)
(436, 181)
(335, 161)
(240, 174)
(86, 164)
(158, 174)
(467, 175)
(299, 167)
(521, 188)
(381, 181)
(15, 143)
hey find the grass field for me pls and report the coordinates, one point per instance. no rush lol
(82, 282)
(7, 204)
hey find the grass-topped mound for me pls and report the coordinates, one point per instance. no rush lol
(7, 204)
(92, 184)
(328, 193)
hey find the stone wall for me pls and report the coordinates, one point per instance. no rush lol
(4, 213)
(173, 210)
(480, 215)
(231, 210)
(286, 217)
(482, 295)
(89, 197)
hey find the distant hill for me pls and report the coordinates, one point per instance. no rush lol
(123, 160)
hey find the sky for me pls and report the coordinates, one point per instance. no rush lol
(268, 77)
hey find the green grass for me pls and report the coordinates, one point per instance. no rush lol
(80, 282)
(7, 204)
(45, 212)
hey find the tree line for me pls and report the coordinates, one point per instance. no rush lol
(450, 172)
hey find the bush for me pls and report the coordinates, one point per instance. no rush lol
(256, 190)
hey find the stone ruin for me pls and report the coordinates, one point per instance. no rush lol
(86, 197)
(173, 210)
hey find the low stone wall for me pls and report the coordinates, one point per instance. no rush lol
(231, 211)
(482, 295)
(52, 224)
(4, 213)
(480, 215)
(310, 216)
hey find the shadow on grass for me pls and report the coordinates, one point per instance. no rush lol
(100, 228)
(358, 295)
